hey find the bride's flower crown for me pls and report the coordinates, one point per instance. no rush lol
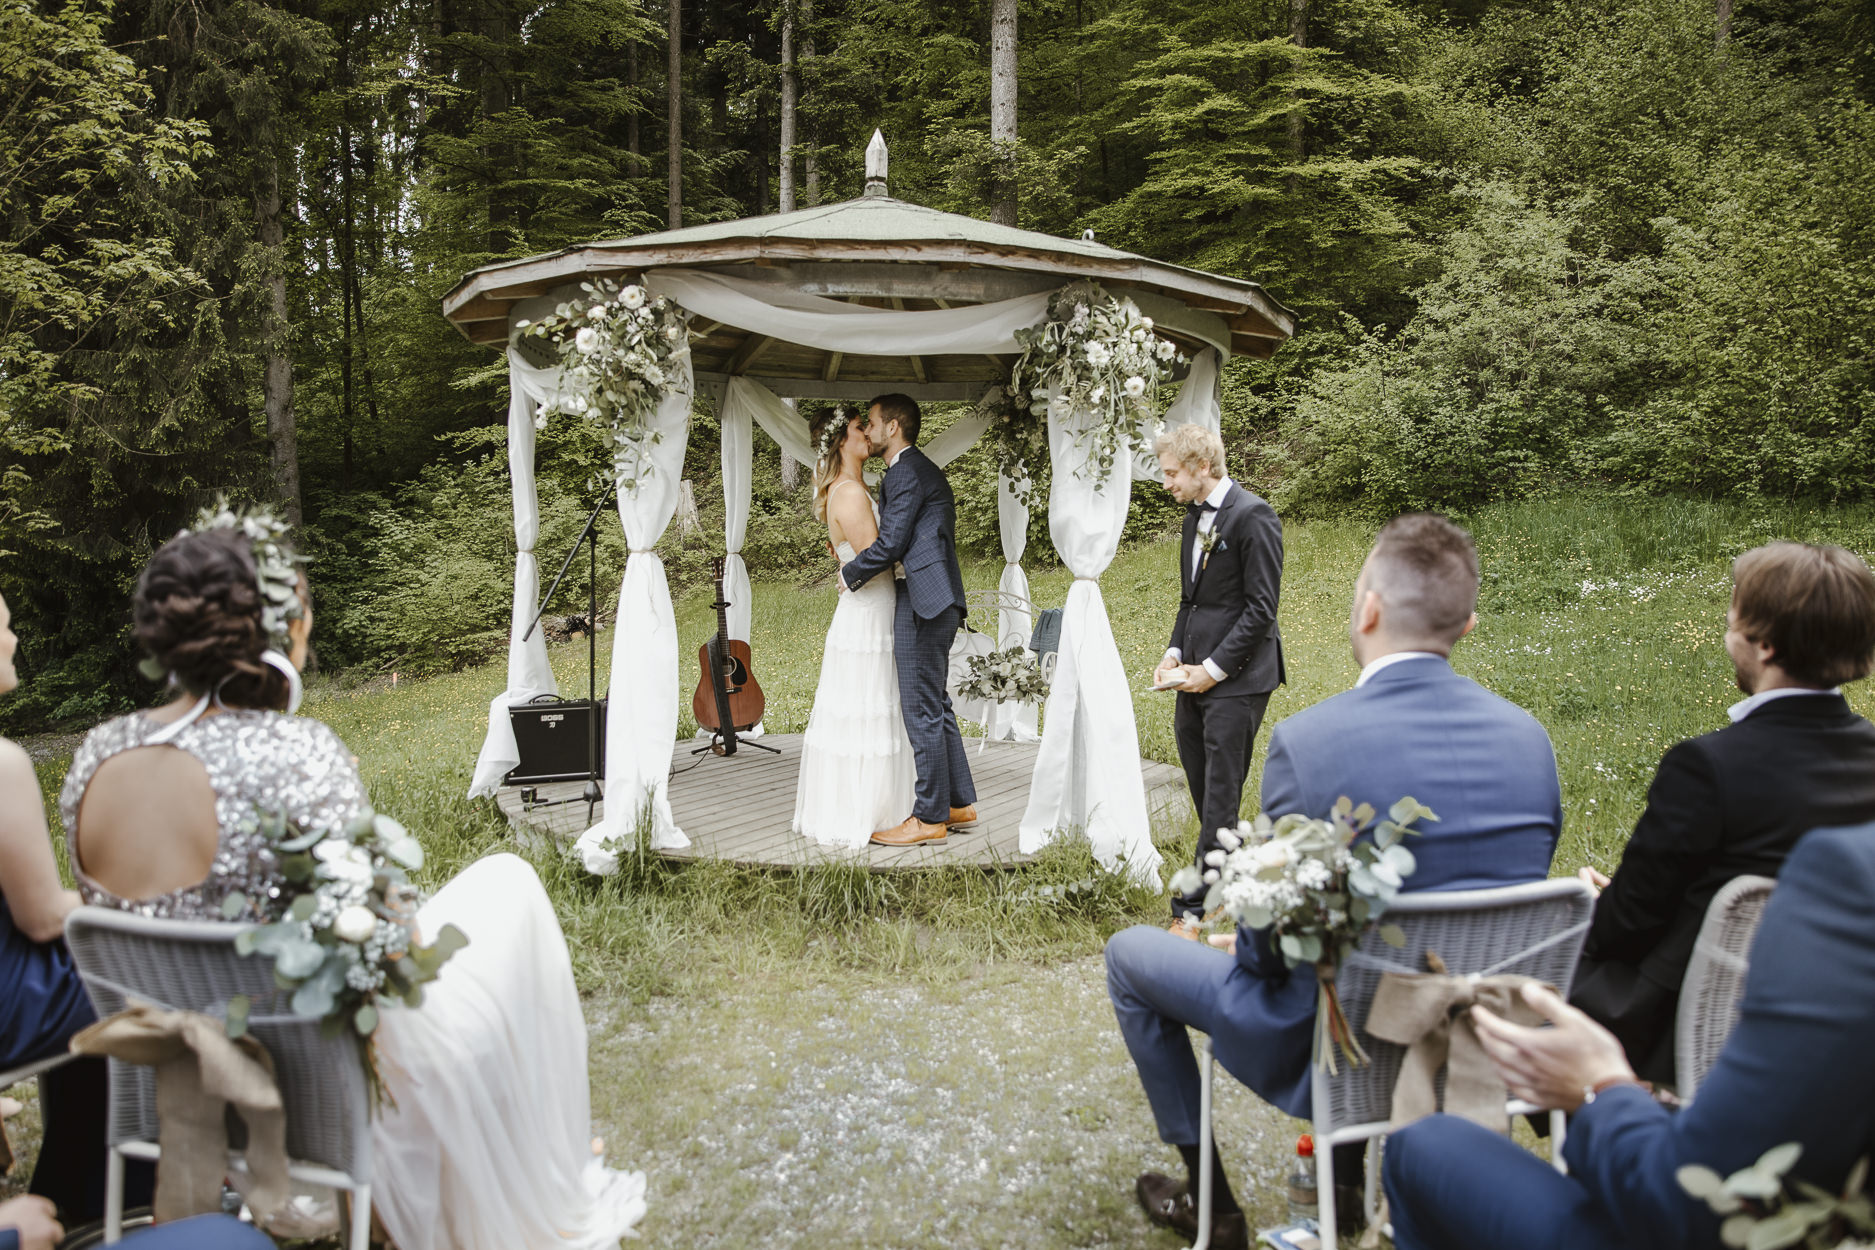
(823, 447)
(276, 568)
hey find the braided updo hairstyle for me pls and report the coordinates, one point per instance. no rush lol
(827, 468)
(197, 612)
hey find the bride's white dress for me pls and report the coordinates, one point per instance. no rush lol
(857, 775)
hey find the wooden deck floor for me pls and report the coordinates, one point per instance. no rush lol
(740, 808)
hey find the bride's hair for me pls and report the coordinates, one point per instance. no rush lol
(197, 611)
(830, 432)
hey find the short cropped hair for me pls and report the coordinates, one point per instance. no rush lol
(1193, 446)
(1814, 606)
(1425, 570)
(902, 409)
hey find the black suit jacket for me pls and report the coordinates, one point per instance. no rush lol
(1227, 613)
(1727, 804)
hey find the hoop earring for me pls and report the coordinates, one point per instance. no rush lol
(295, 687)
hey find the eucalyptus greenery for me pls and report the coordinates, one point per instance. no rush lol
(343, 934)
(1017, 438)
(1315, 885)
(1099, 355)
(1760, 1215)
(620, 350)
(1012, 673)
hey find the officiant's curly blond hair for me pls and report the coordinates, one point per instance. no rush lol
(827, 467)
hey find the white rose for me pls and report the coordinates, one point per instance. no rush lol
(596, 312)
(1098, 394)
(632, 297)
(587, 340)
(1139, 335)
(540, 419)
(355, 924)
(1146, 321)
(1135, 387)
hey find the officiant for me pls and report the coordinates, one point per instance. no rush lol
(1226, 654)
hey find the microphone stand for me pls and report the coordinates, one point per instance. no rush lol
(592, 794)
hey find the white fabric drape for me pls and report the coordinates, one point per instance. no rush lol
(738, 487)
(746, 400)
(641, 722)
(1199, 401)
(1087, 773)
(529, 674)
(1013, 720)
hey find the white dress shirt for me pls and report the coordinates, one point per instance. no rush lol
(1388, 661)
(1206, 519)
(1745, 707)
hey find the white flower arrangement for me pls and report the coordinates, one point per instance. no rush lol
(620, 350)
(1316, 886)
(1002, 676)
(1096, 352)
(342, 929)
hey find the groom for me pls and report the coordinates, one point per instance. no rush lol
(918, 533)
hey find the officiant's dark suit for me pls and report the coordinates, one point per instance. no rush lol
(918, 529)
(1726, 804)
(1226, 616)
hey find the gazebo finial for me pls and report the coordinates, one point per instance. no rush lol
(875, 165)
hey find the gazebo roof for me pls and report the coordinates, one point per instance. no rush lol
(876, 251)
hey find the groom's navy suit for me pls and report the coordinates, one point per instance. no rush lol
(1795, 1069)
(918, 529)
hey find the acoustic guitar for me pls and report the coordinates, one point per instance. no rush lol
(728, 698)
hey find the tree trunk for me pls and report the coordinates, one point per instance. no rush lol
(675, 107)
(1724, 34)
(276, 357)
(1003, 107)
(1299, 36)
(631, 122)
(785, 178)
(810, 160)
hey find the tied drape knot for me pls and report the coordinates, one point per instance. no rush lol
(1094, 580)
(1428, 1013)
(200, 1071)
(642, 551)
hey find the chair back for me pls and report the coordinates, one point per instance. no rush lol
(189, 965)
(1715, 978)
(1534, 930)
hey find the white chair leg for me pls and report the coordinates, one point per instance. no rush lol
(113, 1196)
(1558, 1133)
(1325, 1192)
(1205, 1073)
(361, 1218)
(1370, 1185)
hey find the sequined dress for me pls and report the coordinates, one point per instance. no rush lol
(484, 1143)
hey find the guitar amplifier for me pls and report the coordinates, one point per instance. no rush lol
(551, 734)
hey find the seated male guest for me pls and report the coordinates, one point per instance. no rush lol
(32, 1224)
(1410, 726)
(1734, 802)
(1794, 1070)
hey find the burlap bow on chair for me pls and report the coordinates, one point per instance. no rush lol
(1429, 1014)
(199, 1072)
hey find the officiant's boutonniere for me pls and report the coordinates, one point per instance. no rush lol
(1208, 541)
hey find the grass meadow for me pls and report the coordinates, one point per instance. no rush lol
(930, 1061)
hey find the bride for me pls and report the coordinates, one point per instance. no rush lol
(484, 1142)
(857, 775)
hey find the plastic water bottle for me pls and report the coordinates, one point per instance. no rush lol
(1302, 1204)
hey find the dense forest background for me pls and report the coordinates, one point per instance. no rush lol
(1536, 245)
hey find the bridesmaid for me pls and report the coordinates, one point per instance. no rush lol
(42, 1002)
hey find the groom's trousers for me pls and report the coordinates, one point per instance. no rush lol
(1216, 736)
(923, 651)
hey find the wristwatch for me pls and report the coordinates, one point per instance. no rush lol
(1590, 1092)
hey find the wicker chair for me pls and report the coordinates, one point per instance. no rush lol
(1715, 978)
(1535, 930)
(192, 966)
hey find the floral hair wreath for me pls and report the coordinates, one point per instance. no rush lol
(823, 447)
(276, 568)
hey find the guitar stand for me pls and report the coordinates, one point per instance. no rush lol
(590, 796)
(716, 744)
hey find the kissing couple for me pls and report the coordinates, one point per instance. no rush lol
(883, 761)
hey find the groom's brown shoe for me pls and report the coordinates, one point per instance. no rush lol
(963, 815)
(910, 833)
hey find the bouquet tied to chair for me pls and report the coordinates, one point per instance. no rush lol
(1316, 886)
(342, 930)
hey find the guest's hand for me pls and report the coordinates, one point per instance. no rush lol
(1198, 679)
(1226, 942)
(1594, 880)
(1551, 1067)
(35, 1219)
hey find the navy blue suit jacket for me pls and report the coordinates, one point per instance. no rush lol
(1795, 1069)
(918, 528)
(1481, 763)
